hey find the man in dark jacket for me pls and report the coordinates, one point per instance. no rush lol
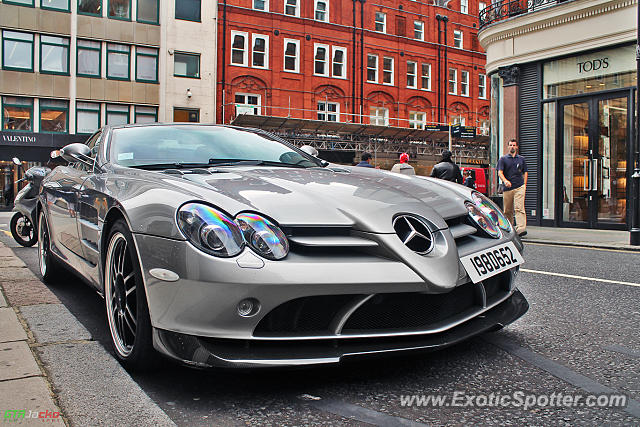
(366, 160)
(446, 169)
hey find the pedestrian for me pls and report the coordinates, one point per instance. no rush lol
(366, 160)
(512, 170)
(469, 180)
(403, 167)
(446, 169)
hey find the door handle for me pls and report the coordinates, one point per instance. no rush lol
(586, 173)
(594, 183)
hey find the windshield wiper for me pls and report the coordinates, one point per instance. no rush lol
(176, 165)
(226, 162)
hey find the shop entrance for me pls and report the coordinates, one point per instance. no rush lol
(593, 136)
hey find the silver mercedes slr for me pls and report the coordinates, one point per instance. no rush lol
(220, 246)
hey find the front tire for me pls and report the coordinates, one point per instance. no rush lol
(49, 266)
(126, 302)
(22, 230)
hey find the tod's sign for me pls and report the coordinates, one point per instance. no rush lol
(599, 64)
(593, 65)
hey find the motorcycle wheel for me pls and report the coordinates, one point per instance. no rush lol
(23, 230)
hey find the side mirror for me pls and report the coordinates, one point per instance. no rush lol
(309, 150)
(55, 154)
(16, 161)
(76, 152)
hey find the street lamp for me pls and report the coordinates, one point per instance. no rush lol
(634, 236)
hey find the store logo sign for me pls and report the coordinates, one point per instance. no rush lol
(18, 138)
(593, 65)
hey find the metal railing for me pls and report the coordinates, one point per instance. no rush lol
(503, 9)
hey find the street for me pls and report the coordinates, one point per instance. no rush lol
(579, 338)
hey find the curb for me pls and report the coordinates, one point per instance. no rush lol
(67, 371)
(620, 247)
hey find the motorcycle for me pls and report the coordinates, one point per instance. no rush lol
(23, 222)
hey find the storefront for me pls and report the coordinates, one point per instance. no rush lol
(575, 128)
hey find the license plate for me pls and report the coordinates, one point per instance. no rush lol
(489, 262)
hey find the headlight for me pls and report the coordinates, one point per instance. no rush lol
(210, 230)
(264, 237)
(491, 210)
(483, 221)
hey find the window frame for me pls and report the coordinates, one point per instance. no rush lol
(258, 106)
(245, 55)
(115, 17)
(464, 83)
(143, 21)
(128, 79)
(187, 19)
(482, 84)
(255, 36)
(189, 110)
(33, 4)
(464, 3)
(296, 42)
(454, 81)
(377, 67)
(99, 111)
(326, 11)
(481, 6)
(328, 113)
(68, 46)
(421, 30)
(136, 113)
(106, 112)
(99, 50)
(327, 60)
(384, 117)
(427, 76)
(420, 123)
(414, 74)
(376, 22)
(149, 55)
(297, 8)
(40, 108)
(31, 113)
(33, 41)
(89, 13)
(461, 39)
(266, 5)
(384, 70)
(186, 54)
(335, 49)
(68, 9)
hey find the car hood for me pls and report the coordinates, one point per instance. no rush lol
(364, 199)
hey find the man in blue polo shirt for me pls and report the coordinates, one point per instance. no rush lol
(512, 170)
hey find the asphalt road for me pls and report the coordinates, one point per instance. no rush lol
(580, 337)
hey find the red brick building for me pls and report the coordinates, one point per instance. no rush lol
(307, 59)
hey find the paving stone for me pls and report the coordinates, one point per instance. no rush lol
(53, 323)
(16, 361)
(11, 274)
(27, 292)
(3, 302)
(11, 261)
(10, 327)
(32, 396)
(4, 251)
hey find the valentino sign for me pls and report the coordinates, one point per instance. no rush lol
(19, 138)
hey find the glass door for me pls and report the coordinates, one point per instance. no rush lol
(575, 163)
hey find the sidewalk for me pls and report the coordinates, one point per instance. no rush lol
(51, 369)
(606, 239)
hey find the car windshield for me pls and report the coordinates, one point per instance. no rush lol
(180, 145)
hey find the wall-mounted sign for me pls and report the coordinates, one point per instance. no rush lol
(466, 132)
(28, 139)
(598, 64)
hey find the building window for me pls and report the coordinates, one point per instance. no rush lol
(457, 39)
(292, 55)
(62, 5)
(387, 71)
(381, 22)
(372, 68)
(146, 65)
(484, 127)
(119, 9)
(417, 120)
(481, 6)
(458, 120)
(186, 65)
(53, 116)
(17, 51)
(17, 113)
(247, 103)
(54, 55)
(90, 7)
(464, 83)
(482, 86)
(425, 78)
(328, 111)
(339, 62)
(117, 114)
(20, 2)
(147, 11)
(239, 48)
(418, 30)
(261, 5)
(464, 6)
(322, 10)
(186, 115)
(145, 114)
(188, 10)
(291, 8)
(453, 81)
(260, 51)
(411, 74)
(320, 60)
(89, 58)
(379, 116)
(118, 61)
(87, 117)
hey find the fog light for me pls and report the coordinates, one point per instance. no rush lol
(248, 307)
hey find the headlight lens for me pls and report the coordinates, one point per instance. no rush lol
(210, 230)
(483, 221)
(491, 210)
(263, 236)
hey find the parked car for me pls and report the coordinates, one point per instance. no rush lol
(480, 177)
(223, 246)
